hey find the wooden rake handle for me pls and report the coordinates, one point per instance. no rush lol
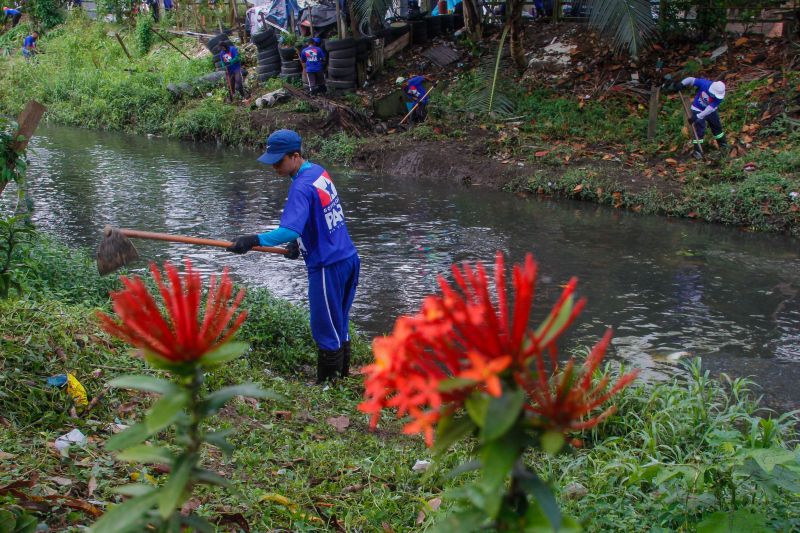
(138, 234)
(687, 115)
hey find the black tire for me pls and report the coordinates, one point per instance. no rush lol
(341, 85)
(216, 40)
(342, 73)
(419, 32)
(268, 55)
(350, 62)
(292, 65)
(340, 44)
(174, 89)
(447, 24)
(288, 77)
(434, 26)
(263, 37)
(288, 54)
(363, 45)
(343, 54)
(349, 78)
(267, 68)
(291, 71)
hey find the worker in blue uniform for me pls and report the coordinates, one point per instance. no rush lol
(313, 221)
(705, 108)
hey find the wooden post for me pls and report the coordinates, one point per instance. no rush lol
(556, 10)
(655, 93)
(27, 121)
(338, 20)
(123, 46)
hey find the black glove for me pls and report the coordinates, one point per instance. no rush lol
(292, 250)
(243, 244)
(692, 119)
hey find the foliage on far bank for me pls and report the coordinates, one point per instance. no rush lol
(85, 79)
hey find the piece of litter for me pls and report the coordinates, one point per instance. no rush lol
(73, 437)
(421, 466)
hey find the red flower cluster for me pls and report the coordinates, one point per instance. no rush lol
(182, 335)
(461, 342)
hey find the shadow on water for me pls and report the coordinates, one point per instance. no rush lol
(670, 288)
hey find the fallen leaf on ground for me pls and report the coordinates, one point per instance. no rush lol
(339, 422)
(91, 486)
(542, 153)
(672, 162)
(578, 188)
(432, 505)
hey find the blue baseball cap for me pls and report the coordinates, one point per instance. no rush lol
(280, 143)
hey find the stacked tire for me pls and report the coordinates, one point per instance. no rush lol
(290, 63)
(214, 46)
(419, 31)
(447, 24)
(342, 55)
(433, 26)
(269, 58)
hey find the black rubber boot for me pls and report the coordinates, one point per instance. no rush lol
(696, 153)
(329, 364)
(346, 359)
(724, 147)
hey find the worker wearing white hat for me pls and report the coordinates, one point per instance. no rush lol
(704, 109)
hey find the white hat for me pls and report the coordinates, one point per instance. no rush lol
(401, 79)
(717, 89)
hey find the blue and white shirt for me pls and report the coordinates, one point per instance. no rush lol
(313, 210)
(312, 56)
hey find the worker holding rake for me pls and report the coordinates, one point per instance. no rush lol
(704, 109)
(313, 218)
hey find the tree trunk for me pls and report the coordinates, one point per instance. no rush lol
(517, 31)
(473, 22)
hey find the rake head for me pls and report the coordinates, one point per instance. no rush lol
(115, 251)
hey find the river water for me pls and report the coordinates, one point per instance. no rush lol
(670, 289)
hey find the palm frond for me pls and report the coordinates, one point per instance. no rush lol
(497, 66)
(496, 103)
(629, 23)
(366, 8)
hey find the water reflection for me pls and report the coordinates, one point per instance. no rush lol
(666, 286)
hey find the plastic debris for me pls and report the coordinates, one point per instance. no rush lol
(75, 388)
(73, 437)
(421, 466)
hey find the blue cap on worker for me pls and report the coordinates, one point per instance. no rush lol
(280, 143)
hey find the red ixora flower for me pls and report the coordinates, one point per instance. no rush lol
(184, 332)
(461, 342)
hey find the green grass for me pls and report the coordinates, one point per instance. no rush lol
(677, 453)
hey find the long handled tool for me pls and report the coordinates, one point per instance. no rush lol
(116, 250)
(687, 115)
(429, 91)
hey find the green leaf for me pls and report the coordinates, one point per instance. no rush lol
(134, 489)
(210, 478)
(533, 485)
(173, 491)
(502, 413)
(462, 521)
(552, 442)
(733, 522)
(126, 516)
(451, 384)
(198, 523)
(136, 434)
(165, 411)
(477, 405)
(146, 454)
(144, 383)
(768, 458)
(217, 438)
(223, 354)
(450, 430)
(216, 400)
(498, 457)
(463, 468)
(560, 319)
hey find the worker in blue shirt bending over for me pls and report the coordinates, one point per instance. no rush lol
(229, 56)
(29, 45)
(313, 57)
(13, 14)
(705, 109)
(313, 222)
(414, 92)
